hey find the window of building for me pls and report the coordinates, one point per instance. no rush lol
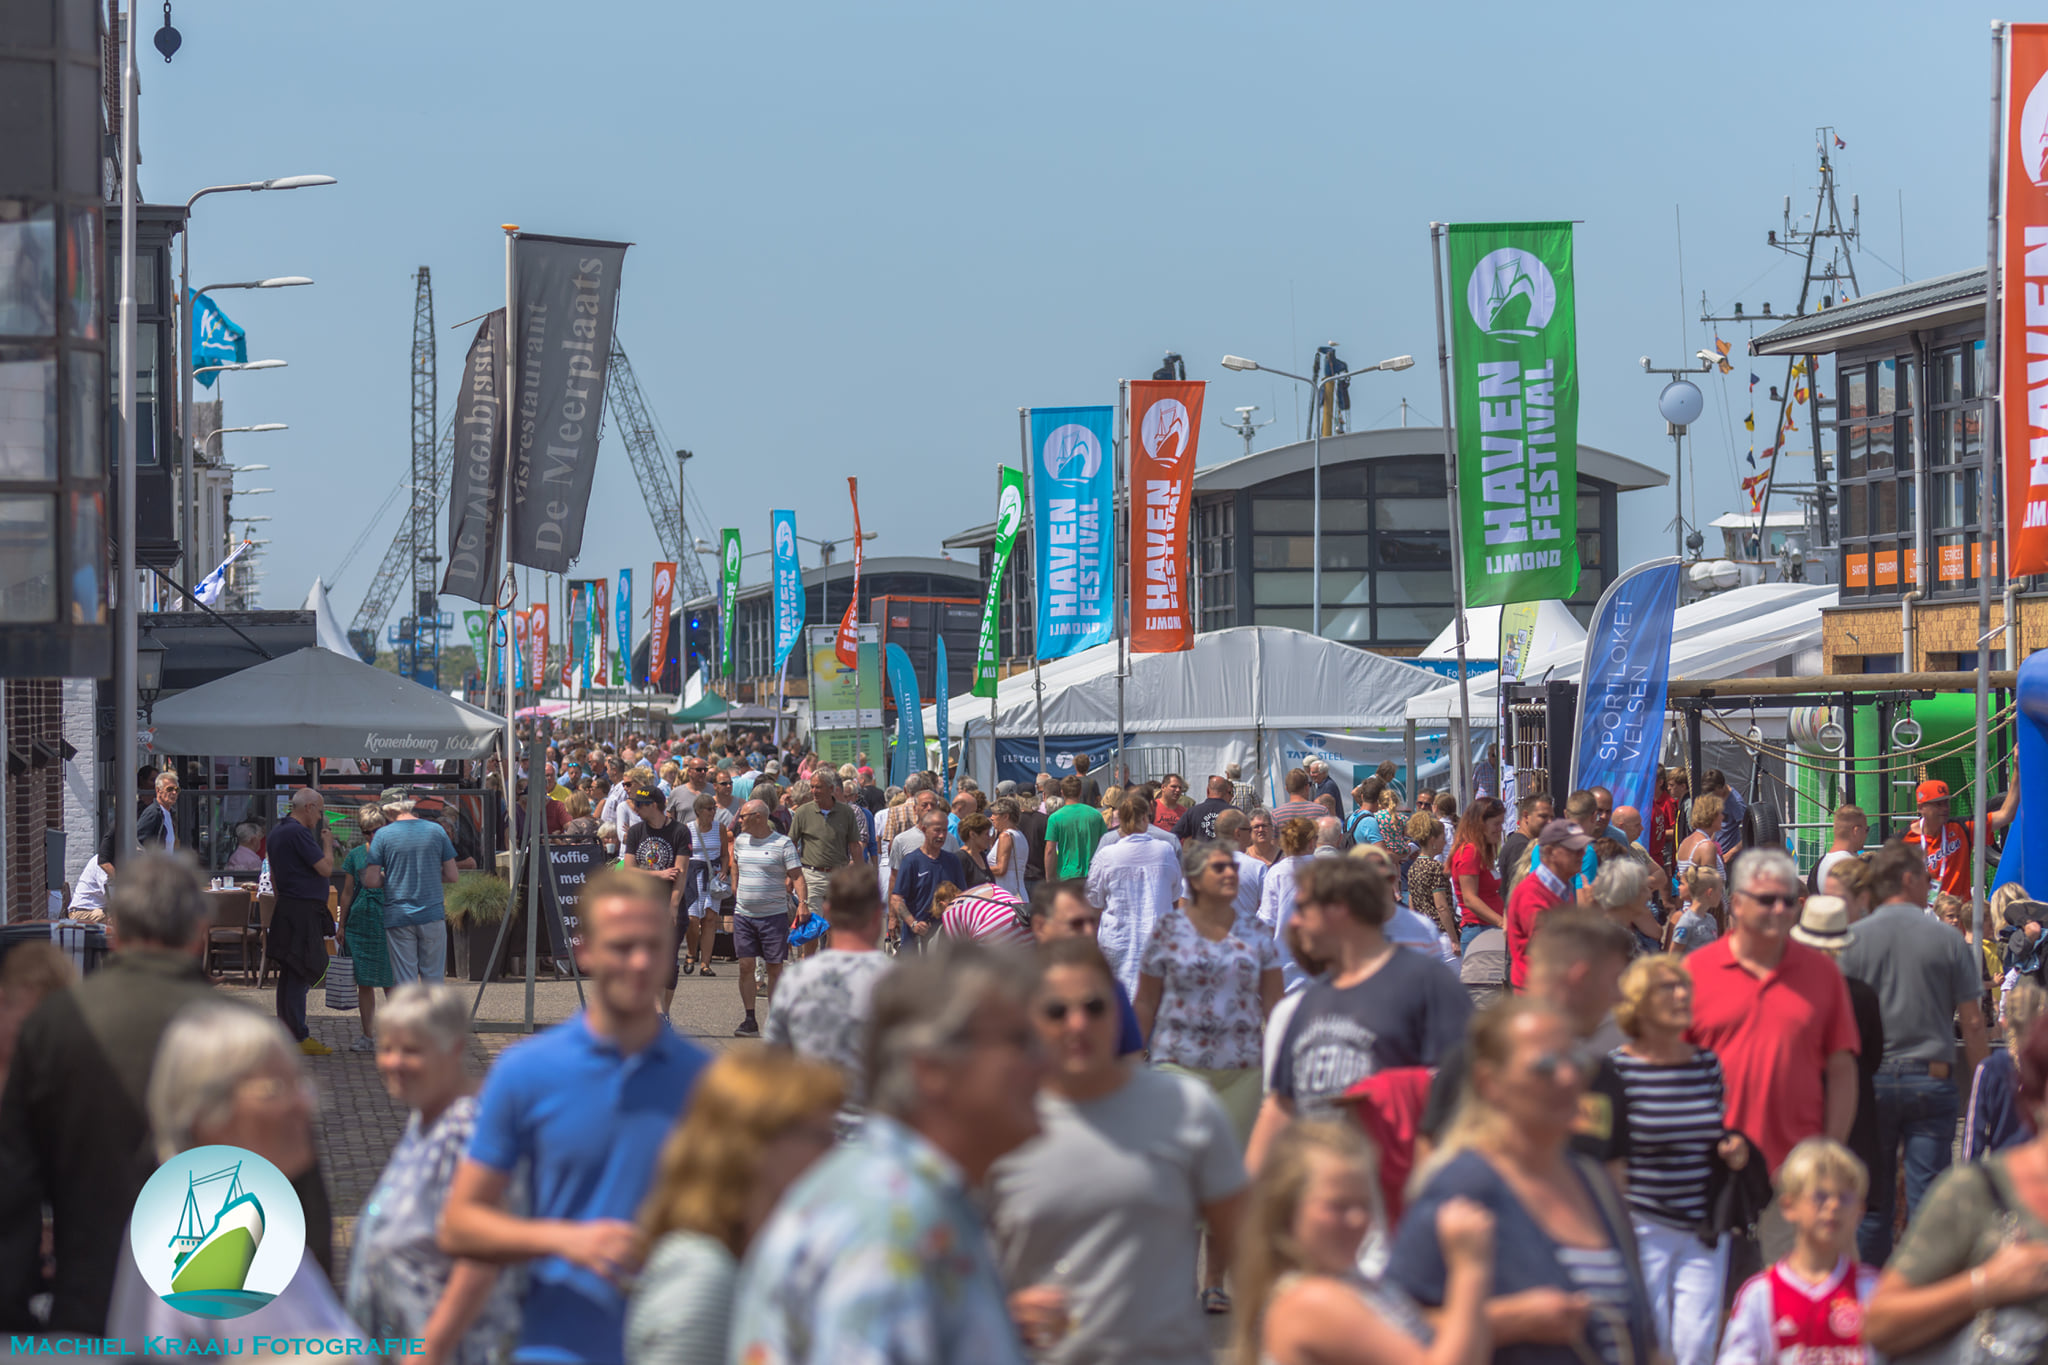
(1955, 482)
(1871, 447)
(1216, 562)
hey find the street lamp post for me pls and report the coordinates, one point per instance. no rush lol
(188, 504)
(1318, 397)
(192, 533)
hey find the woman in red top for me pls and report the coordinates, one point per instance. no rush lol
(1475, 885)
(1673, 785)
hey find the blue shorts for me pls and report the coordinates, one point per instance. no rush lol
(764, 936)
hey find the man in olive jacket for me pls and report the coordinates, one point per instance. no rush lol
(74, 1126)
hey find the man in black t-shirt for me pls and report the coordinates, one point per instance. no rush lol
(1091, 790)
(1532, 813)
(1576, 959)
(1199, 820)
(660, 847)
(1378, 1006)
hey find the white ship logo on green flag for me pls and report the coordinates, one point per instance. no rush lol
(1515, 391)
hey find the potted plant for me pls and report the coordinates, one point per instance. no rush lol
(476, 906)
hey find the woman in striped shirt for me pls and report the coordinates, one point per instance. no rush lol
(1673, 1111)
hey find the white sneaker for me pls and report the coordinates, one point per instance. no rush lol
(363, 1043)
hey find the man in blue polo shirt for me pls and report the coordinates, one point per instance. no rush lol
(588, 1104)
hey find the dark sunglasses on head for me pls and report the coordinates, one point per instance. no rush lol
(1056, 1011)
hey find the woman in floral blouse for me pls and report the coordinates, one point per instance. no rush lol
(1429, 885)
(1207, 979)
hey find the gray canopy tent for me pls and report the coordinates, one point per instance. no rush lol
(316, 702)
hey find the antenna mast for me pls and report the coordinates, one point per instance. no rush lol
(1835, 274)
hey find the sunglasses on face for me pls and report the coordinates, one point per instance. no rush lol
(1056, 1011)
(1222, 867)
(1773, 902)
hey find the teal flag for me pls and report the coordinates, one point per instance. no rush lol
(1515, 396)
(215, 340)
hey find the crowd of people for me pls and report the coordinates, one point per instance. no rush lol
(1070, 1073)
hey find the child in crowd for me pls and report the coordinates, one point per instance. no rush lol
(1699, 923)
(1808, 1308)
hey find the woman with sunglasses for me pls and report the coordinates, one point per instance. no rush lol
(1094, 1219)
(1568, 1288)
(1207, 979)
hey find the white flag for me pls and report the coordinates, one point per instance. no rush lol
(214, 584)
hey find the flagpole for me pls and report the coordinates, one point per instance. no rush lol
(1037, 588)
(1989, 543)
(1461, 758)
(505, 543)
(1119, 568)
(127, 581)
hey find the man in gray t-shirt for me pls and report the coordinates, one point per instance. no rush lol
(1104, 1203)
(1927, 986)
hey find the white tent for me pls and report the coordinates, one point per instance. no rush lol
(316, 703)
(1746, 632)
(326, 626)
(1556, 628)
(1260, 696)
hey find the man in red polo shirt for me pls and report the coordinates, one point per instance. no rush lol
(1776, 1013)
(1560, 849)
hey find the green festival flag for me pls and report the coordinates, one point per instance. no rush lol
(1009, 516)
(1515, 390)
(473, 622)
(728, 589)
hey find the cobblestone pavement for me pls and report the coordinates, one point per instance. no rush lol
(359, 1124)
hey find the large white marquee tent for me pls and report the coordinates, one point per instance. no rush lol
(1260, 696)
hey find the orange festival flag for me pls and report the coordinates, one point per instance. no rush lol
(2024, 394)
(1166, 419)
(657, 632)
(847, 644)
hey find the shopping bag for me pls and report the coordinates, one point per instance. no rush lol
(341, 982)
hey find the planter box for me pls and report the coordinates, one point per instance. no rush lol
(469, 951)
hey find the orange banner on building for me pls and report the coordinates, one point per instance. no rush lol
(657, 631)
(2024, 390)
(846, 645)
(1166, 420)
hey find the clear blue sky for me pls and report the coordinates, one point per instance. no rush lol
(866, 234)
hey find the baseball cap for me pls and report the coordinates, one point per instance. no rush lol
(1823, 923)
(773, 769)
(1566, 833)
(1934, 789)
(645, 796)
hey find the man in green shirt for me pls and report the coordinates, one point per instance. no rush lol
(1072, 833)
(827, 834)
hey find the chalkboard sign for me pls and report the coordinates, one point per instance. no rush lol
(571, 863)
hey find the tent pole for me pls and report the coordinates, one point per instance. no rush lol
(1119, 580)
(1037, 588)
(1408, 757)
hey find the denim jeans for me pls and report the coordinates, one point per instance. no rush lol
(1918, 1111)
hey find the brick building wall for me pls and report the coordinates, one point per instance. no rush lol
(35, 790)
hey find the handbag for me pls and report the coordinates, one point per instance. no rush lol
(341, 982)
(2011, 1335)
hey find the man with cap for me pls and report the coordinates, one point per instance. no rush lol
(1560, 850)
(1944, 842)
(1926, 984)
(1824, 924)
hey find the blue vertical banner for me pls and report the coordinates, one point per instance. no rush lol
(789, 586)
(2025, 856)
(1072, 524)
(622, 676)
(1623, 684)
(580, 620)
(506, 636)
(909, 746)
(941, 685)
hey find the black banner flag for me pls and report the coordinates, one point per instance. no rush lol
(479, 469)
(565, 296)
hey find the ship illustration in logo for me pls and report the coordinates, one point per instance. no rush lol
(1166, 420)
(1009, 512)
(2031, 146)
(1072, 454)
(785, 539)
(210, 1262)
(1511, 294)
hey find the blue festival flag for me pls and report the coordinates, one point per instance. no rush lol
(941, 685)
(1623, 684)
(789, 586)
(622, 676)
(215, 340)
(2025, 856)
(1072, 491)
(909, 746)
(580, 621)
